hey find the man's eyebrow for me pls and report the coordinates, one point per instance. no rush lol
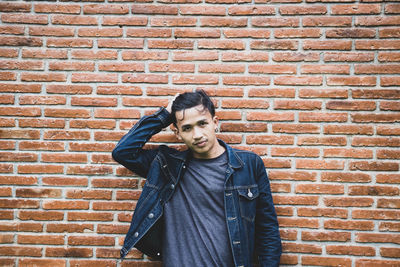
(188, 125)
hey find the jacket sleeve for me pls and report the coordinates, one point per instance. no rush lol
(129, 152)
(268, 241)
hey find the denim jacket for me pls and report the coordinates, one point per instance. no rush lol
(250, 214)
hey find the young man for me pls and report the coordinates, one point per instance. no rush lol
(209, 205)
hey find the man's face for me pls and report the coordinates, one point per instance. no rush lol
(196, 128)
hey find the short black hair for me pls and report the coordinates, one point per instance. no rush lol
(191, 99)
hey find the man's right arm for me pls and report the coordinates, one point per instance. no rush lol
(129, 151)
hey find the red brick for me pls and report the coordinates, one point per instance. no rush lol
(377, 238)
(372, 263)
(275, 22)
(295, 56)
(40, 239)
(389, 226)
(243, 10)
(91, 241)
(50, 31)
(69, 89)
(94, 101)
(195, 79)
(57, 8)
(68, 252)
(388, 178)
(245, 56)
(295, 176)
(73, 20)
(18, 180)
(349, 129)
(301, 248)
(118, 90)
(15, 7)
(298, 222)
(375, 214)
(373, 190)
(295, 200)
(124, 21)
(41, 215)
(367, 9)
(41, 100)
(21, 41)
(65, 181)
(21, 251)
(319, 189)
(389, 33)
(269, 116)
(92, 170)
(21, 65)
(119, 43)
(69, 228)
(105, 9)
(322, 212)
(19, 134)
(24, 18)
(375, 141)
(221, 44)
(295, 128)
(334, 21)
(106, 32)
(202, 10)
(350, 33)
(115, 183)
(325, 261)
(274, 44)
(294, 152)
(269, 139)
(26, 169)
(348, 225)
(298, 80)
(223, 22)
(376, 94)
(41, 262)
(154, 9)
(348, 202)
(173, 22)
(348, 57)
(387, 130)
(345, 177)
(246, 80)
(274, 93)
(319, 164)
(388, 154)
(326, 236)
(302, 10)
(388, 203)
(171, 67)
(103, 54)
(388, 57)
(144, 78)
(195, 55)
(377, 45)
(316, 141)
(69, 42)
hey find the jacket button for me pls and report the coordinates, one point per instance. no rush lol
(136, 234)
(172, 186)
(151, 215)
(250, 194)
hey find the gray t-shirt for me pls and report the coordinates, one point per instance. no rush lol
(195, 231)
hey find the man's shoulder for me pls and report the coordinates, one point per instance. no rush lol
(246, 155)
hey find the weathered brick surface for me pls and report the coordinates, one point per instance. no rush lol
(311, 86)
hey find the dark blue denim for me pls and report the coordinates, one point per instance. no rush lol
(250, 214)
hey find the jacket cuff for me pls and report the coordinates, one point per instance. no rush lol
(164, 116)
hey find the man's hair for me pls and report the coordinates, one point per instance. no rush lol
(191, 99)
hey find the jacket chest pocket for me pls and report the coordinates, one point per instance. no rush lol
(248, 202)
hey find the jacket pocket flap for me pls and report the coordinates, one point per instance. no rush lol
(249, 193)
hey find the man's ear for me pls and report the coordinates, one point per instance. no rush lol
(216, 121)
(175, 129)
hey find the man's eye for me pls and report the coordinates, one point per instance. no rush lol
(202, 123)
(185, 129)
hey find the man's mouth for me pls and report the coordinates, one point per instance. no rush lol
(201, 143)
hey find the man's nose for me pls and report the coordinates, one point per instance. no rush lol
(197, 134)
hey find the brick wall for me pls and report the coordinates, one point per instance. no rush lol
(312, 86)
